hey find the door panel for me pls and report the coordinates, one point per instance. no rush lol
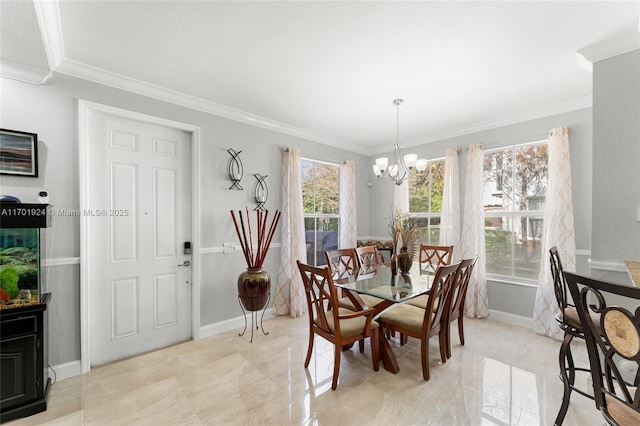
(124, 307)
(165, 292)
(124, 198)
(165, 212)
(139, 199)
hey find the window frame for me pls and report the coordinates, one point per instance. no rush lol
(513, 214)
(319, 216)
(427, 215)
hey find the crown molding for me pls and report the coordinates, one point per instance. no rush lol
(177, 98)
(24, 73)
(48, 15)
(610, 48)
(494, 123)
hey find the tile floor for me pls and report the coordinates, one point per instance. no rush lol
(504, 375)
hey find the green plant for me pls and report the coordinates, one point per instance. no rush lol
(9, 281)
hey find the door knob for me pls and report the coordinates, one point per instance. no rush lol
(185, 263)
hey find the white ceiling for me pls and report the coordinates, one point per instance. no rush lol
(329, 70)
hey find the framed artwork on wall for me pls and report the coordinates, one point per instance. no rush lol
(18, 153)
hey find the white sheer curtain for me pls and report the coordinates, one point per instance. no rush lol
(450, 222)
(348, 218)
(289, 296)
(472, 239)
(401, 197)
(558, 230)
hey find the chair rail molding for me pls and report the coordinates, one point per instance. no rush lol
(607, 266)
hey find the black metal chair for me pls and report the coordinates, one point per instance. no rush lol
(569, 322)
(611, 342)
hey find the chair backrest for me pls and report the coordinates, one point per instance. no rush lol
(322, 297)
(612, 343)
(443, 281)
(559, 283)
(458, 292)
(342, 260)
(368, 256)
(433, 256)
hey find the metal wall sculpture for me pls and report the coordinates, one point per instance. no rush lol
(235, 169)
(261, 191)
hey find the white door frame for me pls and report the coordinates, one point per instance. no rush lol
(84, 108)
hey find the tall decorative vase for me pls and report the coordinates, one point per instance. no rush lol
(254, 288)
(403, 260)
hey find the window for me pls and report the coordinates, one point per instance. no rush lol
(425, 200)
(320, 204)
(515, 181)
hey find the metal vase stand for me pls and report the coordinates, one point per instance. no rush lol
(254, 317)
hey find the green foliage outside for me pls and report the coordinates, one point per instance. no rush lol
(501, 261)
(320, 188)
(425, 190)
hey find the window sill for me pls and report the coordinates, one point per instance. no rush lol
(511, 281)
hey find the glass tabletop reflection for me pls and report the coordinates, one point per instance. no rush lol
(378, 280)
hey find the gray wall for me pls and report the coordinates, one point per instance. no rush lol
(51, 112)
(611, 155)
(616, 163)
(517, 299)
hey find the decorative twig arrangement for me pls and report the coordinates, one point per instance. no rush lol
(255, 259)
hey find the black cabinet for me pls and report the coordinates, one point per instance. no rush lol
(24, 378)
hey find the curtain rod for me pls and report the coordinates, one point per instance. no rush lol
(528, 140)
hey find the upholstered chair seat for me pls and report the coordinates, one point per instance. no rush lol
(349, 327)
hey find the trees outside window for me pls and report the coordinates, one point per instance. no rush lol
(321, 207)
(515, 181)
(425, 200)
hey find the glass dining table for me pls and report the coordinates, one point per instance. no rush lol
(379, 281)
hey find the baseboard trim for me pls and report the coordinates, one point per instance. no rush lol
(65, 371)
(510, 318)
(236, 323)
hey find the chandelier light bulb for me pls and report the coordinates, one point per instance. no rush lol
(421, 165)
(382, 163)
(410, 160)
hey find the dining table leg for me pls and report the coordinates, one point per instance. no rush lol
(388, 358)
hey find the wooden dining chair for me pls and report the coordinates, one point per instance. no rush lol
(339, 326)
(424, 323)
(430, 257)
(369, 256)
(569, 323)
(342, 260)
(455, 303)
(613, 344)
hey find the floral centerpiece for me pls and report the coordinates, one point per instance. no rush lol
(406, 239)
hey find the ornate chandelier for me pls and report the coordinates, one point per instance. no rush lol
(404, 165)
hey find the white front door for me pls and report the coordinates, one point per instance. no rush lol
(138, 219)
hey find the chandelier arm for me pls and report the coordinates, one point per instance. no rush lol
(398, 172)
